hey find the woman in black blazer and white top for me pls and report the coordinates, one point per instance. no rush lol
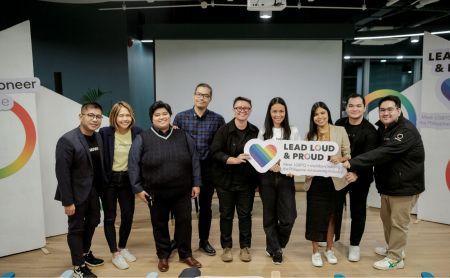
(117, 139)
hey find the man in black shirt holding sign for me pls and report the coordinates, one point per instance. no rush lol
(79, 171)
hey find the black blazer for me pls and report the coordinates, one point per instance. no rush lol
(74, 168)
(107, 134)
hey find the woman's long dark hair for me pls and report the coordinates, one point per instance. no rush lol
(312, 126)
(268, 123)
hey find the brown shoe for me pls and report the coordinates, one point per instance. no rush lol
(163, 265)
(191, 262)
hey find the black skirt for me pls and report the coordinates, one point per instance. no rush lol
(323, 202)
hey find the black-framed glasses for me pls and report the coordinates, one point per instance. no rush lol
(92, 116)
(200, 96)
(389, 109)
(242, 109)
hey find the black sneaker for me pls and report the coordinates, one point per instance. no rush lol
(268, 253)
(277, 257)
(91, 260)
(83, 272)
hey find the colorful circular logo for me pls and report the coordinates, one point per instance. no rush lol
(373, 98)
(445, 88)
(30, 142)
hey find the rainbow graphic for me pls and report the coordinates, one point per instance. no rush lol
(447, 175)
(445, 88)
(30, 142)
(263, 155)
(373, 98)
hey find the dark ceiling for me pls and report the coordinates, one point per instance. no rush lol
(345, 19)
(400, 16)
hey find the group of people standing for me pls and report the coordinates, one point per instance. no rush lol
(169, 164)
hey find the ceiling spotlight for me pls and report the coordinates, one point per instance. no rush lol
(391, 2)
(414, 39)
(409, 71)
(204, 4)
(423, 3)
(383, 60)
(265, 14)
(347, 57)
(399, 57)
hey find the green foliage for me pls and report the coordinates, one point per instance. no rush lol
(92, 95)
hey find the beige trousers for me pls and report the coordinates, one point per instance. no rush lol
(395, 213)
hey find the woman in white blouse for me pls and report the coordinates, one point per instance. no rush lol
(277, 191)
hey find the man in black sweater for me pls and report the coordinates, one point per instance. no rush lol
(164, 172)
(363, 138)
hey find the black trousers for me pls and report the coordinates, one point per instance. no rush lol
(358, 205)
(277, 192)
(205, 200)
(240, 200)
(118, 192)
(161, 204)
(82, 226)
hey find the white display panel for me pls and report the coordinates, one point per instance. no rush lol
(301, 72)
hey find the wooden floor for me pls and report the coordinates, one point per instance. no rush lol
(428, 250)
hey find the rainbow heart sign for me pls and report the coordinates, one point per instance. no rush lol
(264, 154)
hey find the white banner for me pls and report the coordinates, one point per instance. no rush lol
(434, 203)
(296, 157)
(21, 212)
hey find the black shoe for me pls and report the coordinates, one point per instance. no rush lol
(207, 248)
(91, 260)
(83, 272)
(173, 245)
(268, 253)
(277, 257)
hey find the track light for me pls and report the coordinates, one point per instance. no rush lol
(423, 3)
(400, 36)
(265, 14)
(391, 2)
(414, 39)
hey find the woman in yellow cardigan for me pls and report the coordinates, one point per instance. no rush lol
(322, 213)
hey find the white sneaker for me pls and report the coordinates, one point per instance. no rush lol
(353, 253)
(322, 243)
(316, 259)
(127, 255)
(120, 262)
(331, 258)
(388, 264)
(382, 251)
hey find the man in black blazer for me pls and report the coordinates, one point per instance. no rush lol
(80, 174)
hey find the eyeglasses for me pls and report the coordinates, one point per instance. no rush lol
(389, 110)
(242, 109)
(200, 96)
(92, 116)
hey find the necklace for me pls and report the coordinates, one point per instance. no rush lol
(324, 135)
